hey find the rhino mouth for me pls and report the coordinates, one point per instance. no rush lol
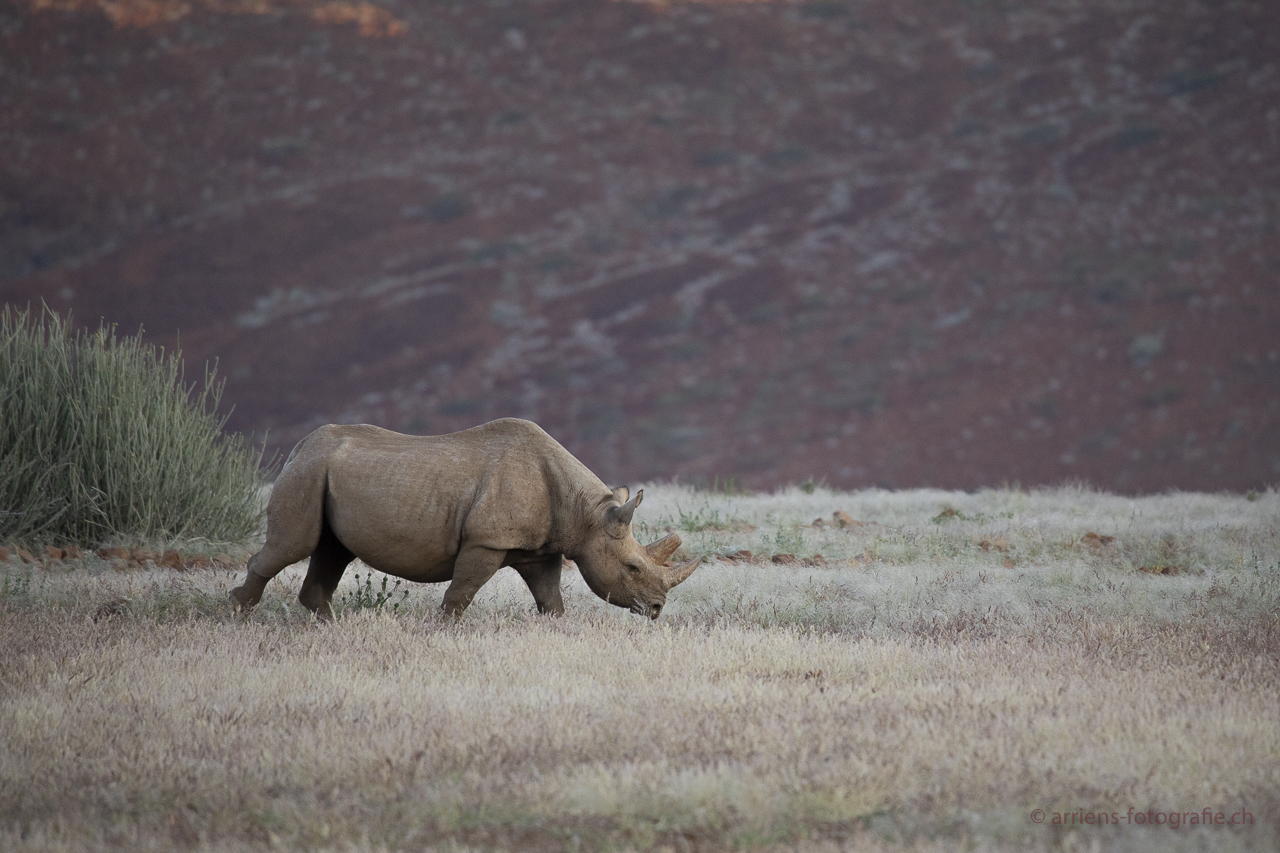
(650, 610)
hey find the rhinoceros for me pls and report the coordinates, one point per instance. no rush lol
(456, 508)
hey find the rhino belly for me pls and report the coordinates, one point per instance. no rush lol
(425, 562)
(401, 537)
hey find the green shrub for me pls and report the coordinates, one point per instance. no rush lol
(102, 440)
(366, 596)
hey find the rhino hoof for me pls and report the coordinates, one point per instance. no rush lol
(242, 599)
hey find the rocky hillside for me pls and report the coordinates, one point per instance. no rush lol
(872, 242)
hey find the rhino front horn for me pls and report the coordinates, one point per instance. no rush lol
(662, 550)
(679, 574)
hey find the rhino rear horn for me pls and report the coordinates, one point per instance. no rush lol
(621, 514)
(679, 574)
(662, 550)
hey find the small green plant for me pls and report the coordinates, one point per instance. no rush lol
(700, 519)
(15, 586)
(811, 485)
(367, 596)
(102, 439)
(1252, 495)
(786, 540)
(728, 487)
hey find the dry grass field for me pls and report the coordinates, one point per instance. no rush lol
(955, 663)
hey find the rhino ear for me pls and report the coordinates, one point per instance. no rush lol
(620, 516)
(621, 494)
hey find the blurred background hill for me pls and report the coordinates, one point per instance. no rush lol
(871, 242)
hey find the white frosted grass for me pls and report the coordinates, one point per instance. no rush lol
(902, 570)
(915, 693)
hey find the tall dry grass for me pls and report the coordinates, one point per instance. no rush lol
(924, 697)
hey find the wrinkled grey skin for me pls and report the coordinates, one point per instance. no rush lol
(456, 508)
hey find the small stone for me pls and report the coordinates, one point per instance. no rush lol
(4, 554)
(26, 556)
(171, 559)
(113, 553)
(142, 555)
(843, 519)
(819, 523)
(1096, 542)
(72, 552)
(52, 553)
(225, 561)
(199, 561)
(784, 559)
(999, 543)
(743, 556)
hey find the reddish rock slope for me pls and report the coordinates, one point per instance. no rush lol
(869, 242)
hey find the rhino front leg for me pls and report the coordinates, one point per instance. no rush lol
(471, 570)
(543, 579)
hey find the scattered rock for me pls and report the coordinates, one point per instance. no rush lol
(225, 561)
(111, 608)
(111, 554)
(171, 559)
(142, 555)
(1159, 569)
(784, 559)
(71, 552)
(739, 556)
(816, 560)
(999, 543)
(199, 561)
(1096, 542)
(52, 553)
(819, 523)
(842, 519)
(4, 554)
(26, 556)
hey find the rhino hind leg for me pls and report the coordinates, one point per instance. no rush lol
(263, 566)
(543, 579)
(328, 561)
(295, 516)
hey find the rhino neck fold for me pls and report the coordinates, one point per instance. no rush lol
(592, 578)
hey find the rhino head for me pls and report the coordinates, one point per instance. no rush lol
(621, 570)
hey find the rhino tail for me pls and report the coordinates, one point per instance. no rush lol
(295, 515)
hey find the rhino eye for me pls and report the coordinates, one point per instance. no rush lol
(634, 569)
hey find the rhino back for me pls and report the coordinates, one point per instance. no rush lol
(406, 504)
